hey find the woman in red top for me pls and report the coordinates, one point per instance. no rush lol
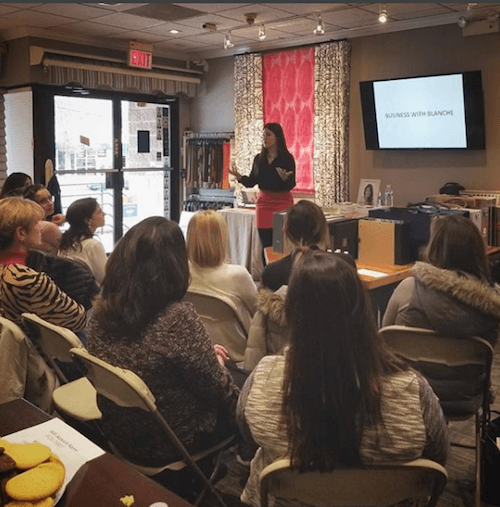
(273, 170)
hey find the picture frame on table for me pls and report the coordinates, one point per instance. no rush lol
(368, 192)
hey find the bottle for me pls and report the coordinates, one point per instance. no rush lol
(379, 200)
(388, 196)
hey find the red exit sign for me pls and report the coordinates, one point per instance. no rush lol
(141, 59)
(140, 55)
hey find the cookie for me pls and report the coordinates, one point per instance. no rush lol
(37, 483)
(46, 502)
(3, 481)
(28, 455)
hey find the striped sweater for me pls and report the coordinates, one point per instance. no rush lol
(23, 289)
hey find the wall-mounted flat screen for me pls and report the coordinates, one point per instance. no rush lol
(430, 112)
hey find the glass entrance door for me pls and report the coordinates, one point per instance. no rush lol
(117, 151)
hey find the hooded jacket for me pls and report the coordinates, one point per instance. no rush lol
(267, 334)
(451, 303)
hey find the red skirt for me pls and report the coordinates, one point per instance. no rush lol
(269, 203)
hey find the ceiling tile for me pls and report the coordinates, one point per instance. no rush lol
(22, 6)
(76, 11)
(5, 9)
(409, 11)
(35, 19)
(129, 21)
(213, 39)
(210, 7)
(116, 8)
(306, 8)
(263, 11)
(350, 18)
(183, 30)
(139, 37)
(252, 32)
(222, 23)
(93, 29)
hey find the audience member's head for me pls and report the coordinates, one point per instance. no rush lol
(51, 237)
(147, 270)
(456, 244)
(335, 362)
(84, 216)
(207, 239)
(305, 225)
(41, 196)
(19, 224)
(14, 184)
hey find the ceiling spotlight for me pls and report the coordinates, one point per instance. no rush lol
(462, 22)
(471, 6)
(227, 41)
(262, 32)
(382, 16)
(174, 31)
(320, 28)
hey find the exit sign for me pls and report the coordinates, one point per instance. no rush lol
(140, 56)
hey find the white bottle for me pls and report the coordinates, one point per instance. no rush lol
(388, 196)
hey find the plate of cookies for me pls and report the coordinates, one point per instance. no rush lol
(37, 463)
(30, 475)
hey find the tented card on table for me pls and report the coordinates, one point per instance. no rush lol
(70, 446)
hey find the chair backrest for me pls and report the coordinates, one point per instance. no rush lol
(226, 324)
(458, 369)
(368, 485)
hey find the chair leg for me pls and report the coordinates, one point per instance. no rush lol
(477, 494)
(210, 479)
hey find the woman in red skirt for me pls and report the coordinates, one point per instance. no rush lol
(273, 170)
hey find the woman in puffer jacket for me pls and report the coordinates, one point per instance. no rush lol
(452, 293)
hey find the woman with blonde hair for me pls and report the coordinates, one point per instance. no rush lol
(23, 289)
(207, 243)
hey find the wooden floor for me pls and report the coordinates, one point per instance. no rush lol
(459, 490)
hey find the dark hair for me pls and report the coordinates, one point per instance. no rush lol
(306, 225)
(370, 196)
(456, 244)
(13, 182)
(30, 191)
(334, 365)
(147, 270)
(78, 217)
(277, 130)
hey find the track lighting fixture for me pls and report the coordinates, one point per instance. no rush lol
(462, 22)
(470, 6)
(382, 16)
(262, 32)
(227, 41)
(320, 29)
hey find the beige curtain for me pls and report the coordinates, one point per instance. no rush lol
(248, 110)
(3, 151)
(331, 122)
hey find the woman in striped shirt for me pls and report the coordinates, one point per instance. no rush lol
(23, 289)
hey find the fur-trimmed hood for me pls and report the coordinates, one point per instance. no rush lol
(272, 304)
(467, 289)
(454, 304)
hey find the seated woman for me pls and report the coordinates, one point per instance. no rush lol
(207, 243)
(337, 396)
(23, 289)
(84, 217)
(43, 197)
(305, 225)
(451, 292)
(15, 184)
(140, 322)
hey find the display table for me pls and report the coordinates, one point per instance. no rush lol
(99, 482)
(244, 241)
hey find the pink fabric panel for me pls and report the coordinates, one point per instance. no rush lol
(288, 89)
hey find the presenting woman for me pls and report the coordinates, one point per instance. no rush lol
(273, 170)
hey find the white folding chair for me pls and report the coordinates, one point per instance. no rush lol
(436, 357)
(126, 389)
(78, 398)
(371, 485)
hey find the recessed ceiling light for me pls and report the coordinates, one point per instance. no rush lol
(174, 31)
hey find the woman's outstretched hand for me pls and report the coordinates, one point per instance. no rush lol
(222, 354)
(283, 173)
(234, 171)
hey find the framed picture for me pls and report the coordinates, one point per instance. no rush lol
(368, 192)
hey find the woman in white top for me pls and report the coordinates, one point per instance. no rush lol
(84, 217)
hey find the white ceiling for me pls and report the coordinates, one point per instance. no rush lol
(286, 24)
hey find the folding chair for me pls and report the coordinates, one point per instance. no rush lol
(458, 370)
(226, 323)
(126, 389)
(373, 485)
(78, 398)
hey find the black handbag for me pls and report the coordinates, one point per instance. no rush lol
(490, 462)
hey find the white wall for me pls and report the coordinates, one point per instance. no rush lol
(19, 131)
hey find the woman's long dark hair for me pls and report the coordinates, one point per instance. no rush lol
(277, 130)
(147, 270)
(78, 217)
(14, 184)
(334, 365)
(456, 244)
